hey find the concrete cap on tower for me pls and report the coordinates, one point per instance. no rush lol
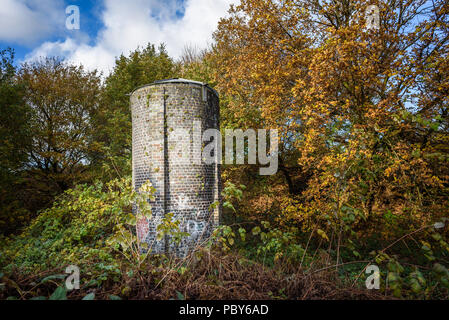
(177, 80)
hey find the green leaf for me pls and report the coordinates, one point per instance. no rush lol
(180, 295)
(52, 277)
(434, 126)
(392, 277)
(39, 298)
(114, 297)
(265, 224)
(322, 234)
(439, 268)
(90, 296)
(256, 230)
(242, 233)
(436, 236)
(59, 294)
(445, 282)
(416, 288)
(229, 205)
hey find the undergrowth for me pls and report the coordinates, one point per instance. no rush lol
(92, 227)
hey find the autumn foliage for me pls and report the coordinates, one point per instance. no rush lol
(363, 112)
(363, 124)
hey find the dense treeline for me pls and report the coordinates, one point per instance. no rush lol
(62, 126)
(363, 165)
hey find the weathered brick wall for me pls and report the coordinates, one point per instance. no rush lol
(184, 188)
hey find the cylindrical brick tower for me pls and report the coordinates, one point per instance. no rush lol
(169, 118)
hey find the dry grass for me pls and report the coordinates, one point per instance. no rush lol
(213, 275)
(205, 275)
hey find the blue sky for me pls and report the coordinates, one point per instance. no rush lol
(36, 28)
(91, 22)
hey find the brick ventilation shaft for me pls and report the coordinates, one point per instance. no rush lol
(186, 189)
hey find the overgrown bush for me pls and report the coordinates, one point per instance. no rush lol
(75, 230)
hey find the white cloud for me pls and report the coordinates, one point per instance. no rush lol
(27, 21)
(133, 23)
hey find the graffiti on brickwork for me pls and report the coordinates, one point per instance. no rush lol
(183, 202)
(143, 228)
(195, 228)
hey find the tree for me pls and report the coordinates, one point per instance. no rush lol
(113, 119)
(362, 112)
(62, 98)
(15, 140)
(261, 50)
(14, 117)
